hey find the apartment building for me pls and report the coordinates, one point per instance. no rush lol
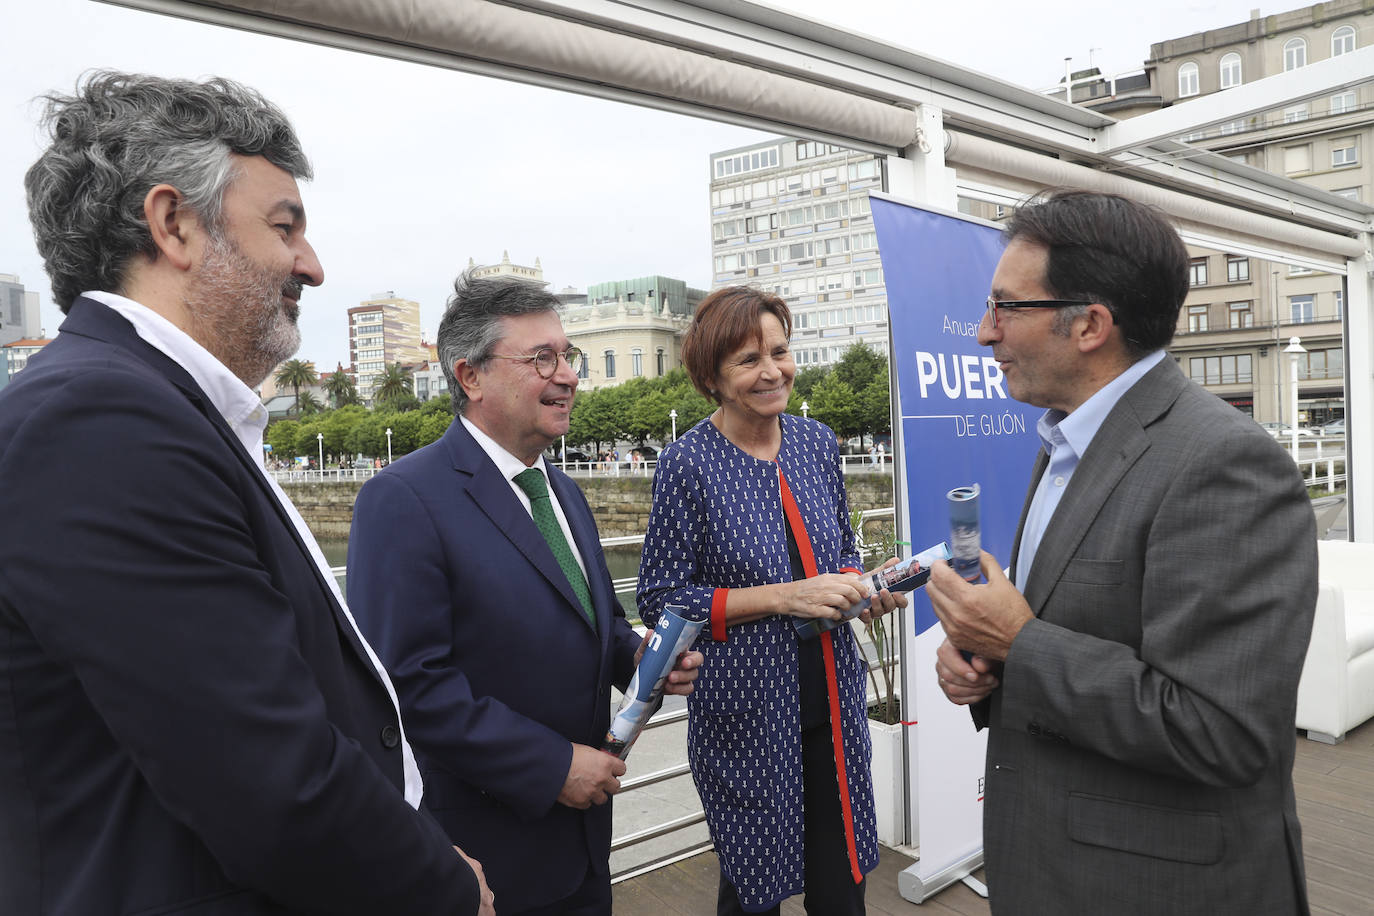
(1241, 312)
(792, 217)
(382, 330)
(19, 317)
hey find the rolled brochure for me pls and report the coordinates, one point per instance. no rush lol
(905, 576)
(965, 531)
(673, 636)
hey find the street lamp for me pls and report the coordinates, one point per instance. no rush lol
(388, 445)
(319, 437)
(1295, 350)
(672, 415)
(806, 410)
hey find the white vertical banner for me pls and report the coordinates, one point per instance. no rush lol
(954, 425)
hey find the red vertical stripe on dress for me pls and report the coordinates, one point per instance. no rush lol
(832, 689)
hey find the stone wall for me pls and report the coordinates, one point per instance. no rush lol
(620, 504)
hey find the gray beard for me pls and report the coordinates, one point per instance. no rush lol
(237, 312)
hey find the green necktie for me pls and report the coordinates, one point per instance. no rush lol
(541, 506)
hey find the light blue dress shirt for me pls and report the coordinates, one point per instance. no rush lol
(1066, 438)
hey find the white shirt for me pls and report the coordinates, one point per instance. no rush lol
(247, 418)
(510, 467)
(1065, 438)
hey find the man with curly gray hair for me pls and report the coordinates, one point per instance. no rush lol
(189, 718)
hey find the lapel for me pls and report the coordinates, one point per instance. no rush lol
(1118, 445)
(492, 493)
(97, 321)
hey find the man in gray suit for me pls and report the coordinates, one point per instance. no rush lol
(1138, 673)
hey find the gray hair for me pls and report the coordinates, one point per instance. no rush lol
(120, 135)
(471, 327)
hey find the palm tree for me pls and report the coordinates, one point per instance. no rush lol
(308, 404)
(297, 373)
(393, 382)
(340, 388)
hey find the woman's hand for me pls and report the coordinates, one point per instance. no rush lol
(822, 596)
(884, 602)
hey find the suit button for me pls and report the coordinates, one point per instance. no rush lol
(1033, 728)
(391, 736)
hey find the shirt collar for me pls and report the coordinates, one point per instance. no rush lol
(1078, 429)
(234, 400)
(505, 462)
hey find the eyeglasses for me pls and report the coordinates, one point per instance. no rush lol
(994, 305)
(545, 360)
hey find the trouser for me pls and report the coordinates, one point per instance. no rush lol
(830, 887)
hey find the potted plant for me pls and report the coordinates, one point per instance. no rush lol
(885, 711)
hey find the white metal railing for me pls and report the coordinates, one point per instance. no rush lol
(851, 464)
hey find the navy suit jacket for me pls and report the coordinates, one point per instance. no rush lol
(497, 668)
(187, 722)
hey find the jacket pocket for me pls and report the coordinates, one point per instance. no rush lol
(1093, 572)
(1172, 834)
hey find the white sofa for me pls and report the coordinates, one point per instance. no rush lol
(1336, 692)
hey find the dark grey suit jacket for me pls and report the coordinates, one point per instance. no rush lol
(1141, 745)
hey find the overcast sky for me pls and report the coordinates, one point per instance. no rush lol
(419, 169)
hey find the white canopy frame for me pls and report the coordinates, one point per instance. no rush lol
(746, 63)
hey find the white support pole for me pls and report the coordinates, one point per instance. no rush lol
(920, 174)
(1359, 394)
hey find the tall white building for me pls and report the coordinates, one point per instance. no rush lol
(383, 330)
(792, 217)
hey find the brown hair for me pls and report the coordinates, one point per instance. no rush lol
(723, 322)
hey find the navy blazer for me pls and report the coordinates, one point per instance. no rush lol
(187, 722)
(497, 668)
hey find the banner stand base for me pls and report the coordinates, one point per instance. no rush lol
(913, 887)
(978, 887)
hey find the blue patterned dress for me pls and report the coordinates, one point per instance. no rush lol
(717, 522)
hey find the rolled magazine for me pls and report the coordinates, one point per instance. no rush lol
(671, 637)
(905, 576)
(965, 532)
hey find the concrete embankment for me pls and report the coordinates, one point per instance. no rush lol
(621, 504)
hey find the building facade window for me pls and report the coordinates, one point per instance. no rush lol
(1237, 269)
(1342, 102)
(1297, 159)
(1197, 272)
(1296, 113)
(1197, 318)
(1342, 41)
(1344, 154)
(1302, 308)
(636, 362)
(1327, 363)
(1230, 70)
(610, 363)
(1187, 80)
(1340, 305)
(658, 358)
(1221, 370)
(1294, 54)
(1240, 315)
(1347, 193)
(584, 369)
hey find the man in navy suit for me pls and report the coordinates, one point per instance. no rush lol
(503, 654)
(189, 719)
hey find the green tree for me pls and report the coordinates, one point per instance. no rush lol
(393, 381)
(836, 405)
(804, 384)
(398, 403)
(307, 404)
(298, 373)
(858, 366)
(340, 388)
(282, 436)
(875, 405)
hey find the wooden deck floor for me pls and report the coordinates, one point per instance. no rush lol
(1335, 789)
